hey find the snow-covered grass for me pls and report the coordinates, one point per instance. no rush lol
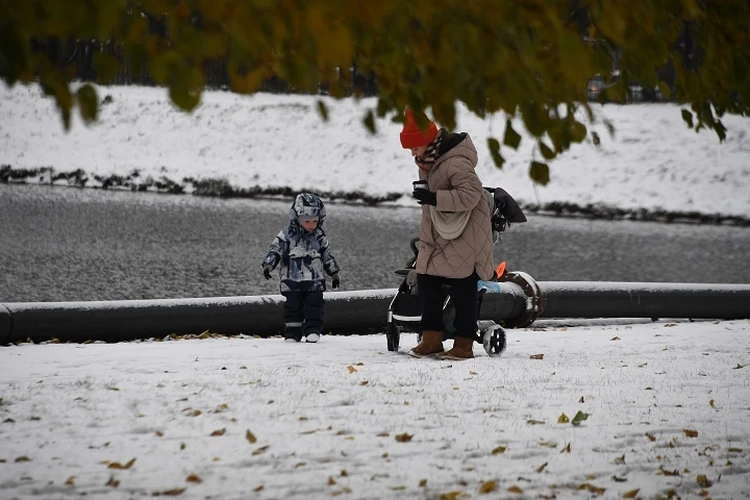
(663, 411)
(264, 141)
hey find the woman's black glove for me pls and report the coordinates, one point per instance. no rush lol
(335, 281)
(424, 196)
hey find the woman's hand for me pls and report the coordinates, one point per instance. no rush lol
(424, 196)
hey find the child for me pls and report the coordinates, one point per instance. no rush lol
(303, 252)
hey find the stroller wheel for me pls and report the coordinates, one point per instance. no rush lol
(392, 336)
(493, 340)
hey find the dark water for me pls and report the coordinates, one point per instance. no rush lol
(64, 244)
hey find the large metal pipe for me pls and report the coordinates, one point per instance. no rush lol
(516, 302)
(346, 312)
(581, 299)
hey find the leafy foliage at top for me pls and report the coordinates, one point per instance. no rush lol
(527, 58)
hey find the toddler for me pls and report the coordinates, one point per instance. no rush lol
(302, 253)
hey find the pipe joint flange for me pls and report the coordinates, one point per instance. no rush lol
(533, 298)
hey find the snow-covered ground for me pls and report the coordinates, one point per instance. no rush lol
(666, 407)
(666, 404)
(264, 141)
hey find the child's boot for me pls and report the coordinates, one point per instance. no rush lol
(432, 343)
(292, 334)
(312, 337)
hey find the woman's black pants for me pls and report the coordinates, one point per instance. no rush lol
(463, 292)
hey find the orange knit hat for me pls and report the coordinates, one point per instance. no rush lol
(412, 136)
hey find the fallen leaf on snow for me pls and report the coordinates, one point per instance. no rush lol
(118, 465)
(488, 487)
(703, 481)
(169, 493)
(250, 436)
(404, 438)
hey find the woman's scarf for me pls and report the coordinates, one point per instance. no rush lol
(427, 160)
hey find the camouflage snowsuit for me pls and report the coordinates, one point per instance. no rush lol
(304, 258)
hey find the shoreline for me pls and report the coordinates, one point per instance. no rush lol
(221, 188)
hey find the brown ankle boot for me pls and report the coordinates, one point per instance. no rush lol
(463, 348)
(432, 343)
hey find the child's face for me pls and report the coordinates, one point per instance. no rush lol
(309, 223)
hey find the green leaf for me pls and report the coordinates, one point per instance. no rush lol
(494, 147)
(610, 127)
(512, 139)
(88, 103)
(665, 90)
(323, 110)
(184, 97)
(14, 59)
(106, 67)
(687, 116)
(720, 130)
(546, 151)
(579, 417)
(369, 122)
(539, 173)
(577, 131)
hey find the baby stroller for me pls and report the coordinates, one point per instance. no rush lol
(404, 311)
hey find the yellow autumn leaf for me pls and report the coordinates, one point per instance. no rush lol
(193, 478)
(170, 493)
(690, 433)
(631, 493)
(451, 495)
(563, 419)
(488, 487)
(118, 465)
(351, 369)
(404, 437)
(703, 481)
(250, 436)
(219, 432)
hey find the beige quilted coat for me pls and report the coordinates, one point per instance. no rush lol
(458, 188)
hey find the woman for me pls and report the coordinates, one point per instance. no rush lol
(455, 234)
